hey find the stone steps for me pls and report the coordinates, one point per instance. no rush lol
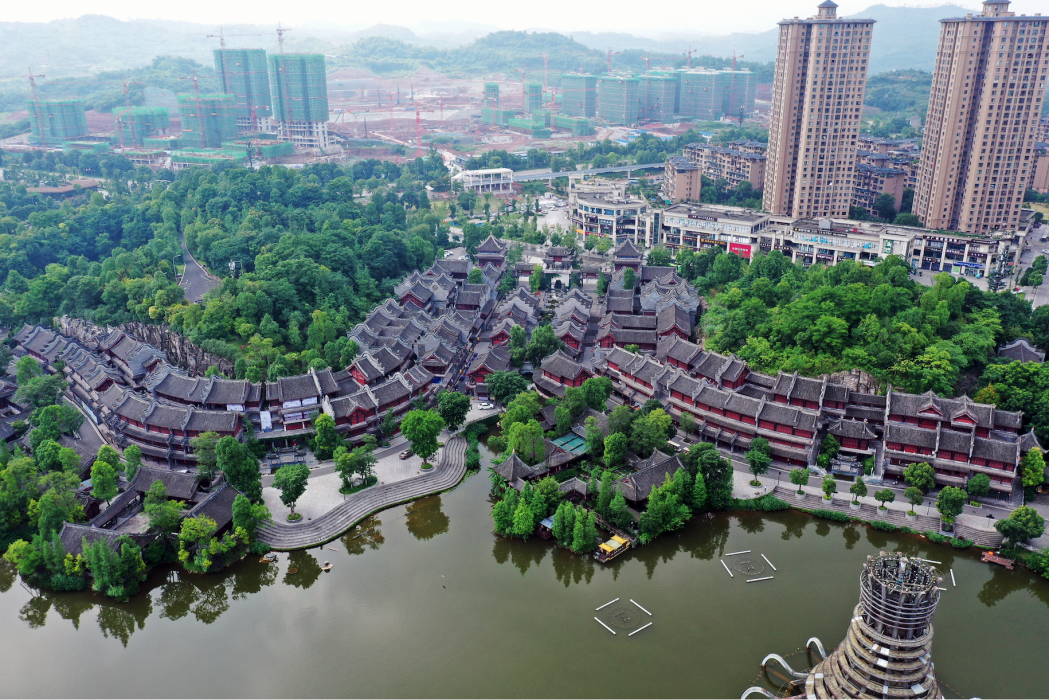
(451, 466)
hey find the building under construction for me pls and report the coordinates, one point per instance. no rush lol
(579, 95)
(657, 96)
(132, 125)
(207, 120)
(245, 75)
(712, 94)
(533, 97)
(491, 95)
(887, 650)
(299, 94)
(617, 97)
(53, 121)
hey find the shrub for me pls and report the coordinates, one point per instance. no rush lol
(831, 515)
(886, 527)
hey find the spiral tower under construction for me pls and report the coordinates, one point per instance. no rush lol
(887, 652)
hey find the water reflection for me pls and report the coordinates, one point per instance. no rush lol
(571, 568)
(851, 535)
(521, 553)
(303, 569)
(121, 620)
(822, 528)
(752, 523)
(367, 535)
(8, 574)
(425, 518)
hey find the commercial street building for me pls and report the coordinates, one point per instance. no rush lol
(987, 90)
(817, 98)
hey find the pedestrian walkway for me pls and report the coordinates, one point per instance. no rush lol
(451, 466)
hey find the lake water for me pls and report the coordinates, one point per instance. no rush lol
(424, 601)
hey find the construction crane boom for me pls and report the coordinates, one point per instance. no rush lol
(36, 105)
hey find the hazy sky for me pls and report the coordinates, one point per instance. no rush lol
(668, 16)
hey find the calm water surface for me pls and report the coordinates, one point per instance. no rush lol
(424, 601)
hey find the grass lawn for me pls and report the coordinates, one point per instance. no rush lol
(1037, 206)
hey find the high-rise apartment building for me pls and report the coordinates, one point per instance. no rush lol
(299, 92)
(987, 91)
(245, 76)
(817, 98)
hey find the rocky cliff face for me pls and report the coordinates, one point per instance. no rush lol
(179, 351)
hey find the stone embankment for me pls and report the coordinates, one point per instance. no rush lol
(451, 466)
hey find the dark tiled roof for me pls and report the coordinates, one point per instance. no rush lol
(1021, 351)
(496, 359)
(73, 537)
(513, 467)
(180, 486)
(561, 365)
(218, 505)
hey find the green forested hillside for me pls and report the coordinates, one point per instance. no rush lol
(314, 260)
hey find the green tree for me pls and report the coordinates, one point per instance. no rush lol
(649, 432)
(203, 447)
(829, 486)
(579, 543)
(543, 343)
(915, 496)
(629, 278)
(164, 516)
(759, 458)
(858, 489)
(535, 280)
(618, 514)
(563, 418)
(1032, 468)
(687, 423)
(595, 441)
(699, 492)
(564, 523)
(503, 513)
(103, 481)
(132, 461)
(621, 419)
(388, 426)
(597, 390)
(248, 516)
(422, 429)
(505, 385)
(475, 276)
(590, 533)
(884, 496)
(978, 485)
(291, 480)
(453, 408)
(524, 520)
(950, 501)
(240, 467)
(920, 475)
(326, 438)
(604, 494)
(615, 449)
(660, 257)
(1023, 524)
(526, 439)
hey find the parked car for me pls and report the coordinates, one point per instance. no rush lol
(406, 454)
(447, 253)
(464, 257)
(486, 406)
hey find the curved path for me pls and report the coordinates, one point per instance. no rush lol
(195, 279)
(451, 466)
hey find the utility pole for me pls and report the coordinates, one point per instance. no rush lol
(36, 105)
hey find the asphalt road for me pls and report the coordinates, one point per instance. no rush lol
(195, 280)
